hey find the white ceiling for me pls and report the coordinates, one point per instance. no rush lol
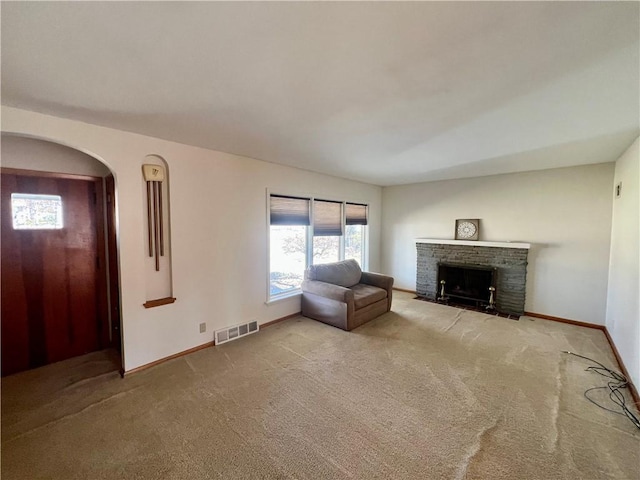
(386, 93)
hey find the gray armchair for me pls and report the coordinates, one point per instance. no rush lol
(342, 295)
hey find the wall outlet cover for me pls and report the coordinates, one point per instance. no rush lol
(203, 327)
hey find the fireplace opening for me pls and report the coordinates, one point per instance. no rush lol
(467, 285)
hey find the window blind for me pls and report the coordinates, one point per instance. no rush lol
(327, 218)
(289, 210)
(356, 214)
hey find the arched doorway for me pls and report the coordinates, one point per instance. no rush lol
(60, 276)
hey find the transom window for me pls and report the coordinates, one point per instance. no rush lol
(305, 231)
(36, 212)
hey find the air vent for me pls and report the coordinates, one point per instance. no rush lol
(235, 332)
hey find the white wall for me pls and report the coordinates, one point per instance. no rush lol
(219, 231)
(623, 313)
(565, 213)
(33, 154)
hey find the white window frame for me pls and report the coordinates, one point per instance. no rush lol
(309, 253)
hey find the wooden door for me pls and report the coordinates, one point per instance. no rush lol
(53, 280)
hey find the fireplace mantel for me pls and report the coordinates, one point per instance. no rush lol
(474, 243)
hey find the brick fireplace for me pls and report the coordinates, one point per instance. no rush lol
(508, 259)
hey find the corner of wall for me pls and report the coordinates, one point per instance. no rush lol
(623, 312)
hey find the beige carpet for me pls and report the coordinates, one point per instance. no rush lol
(425, 391)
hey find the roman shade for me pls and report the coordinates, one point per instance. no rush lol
(356, 214)
(289, 210)
(327, 218)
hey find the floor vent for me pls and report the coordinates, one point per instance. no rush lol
(235, 332)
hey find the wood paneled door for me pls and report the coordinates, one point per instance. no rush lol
(53, 277)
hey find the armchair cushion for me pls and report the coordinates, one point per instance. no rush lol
(365, 295)
(346, 273)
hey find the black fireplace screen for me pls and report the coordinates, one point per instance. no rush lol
(465, 283)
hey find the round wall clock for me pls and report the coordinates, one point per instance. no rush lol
(467, 229)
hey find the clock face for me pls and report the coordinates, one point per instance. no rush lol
(466, 230)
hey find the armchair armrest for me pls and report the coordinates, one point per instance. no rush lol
(377, 280)
(328, 290)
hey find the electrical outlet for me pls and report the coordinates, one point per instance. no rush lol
(203, 327)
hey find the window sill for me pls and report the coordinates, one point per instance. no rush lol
(284, 296)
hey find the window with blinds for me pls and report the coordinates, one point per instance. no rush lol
(356, 214)
(327, 218)
(289, 210)
(305, 231)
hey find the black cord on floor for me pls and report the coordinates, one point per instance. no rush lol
(618, 382)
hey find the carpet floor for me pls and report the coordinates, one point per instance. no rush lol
(425, 391)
